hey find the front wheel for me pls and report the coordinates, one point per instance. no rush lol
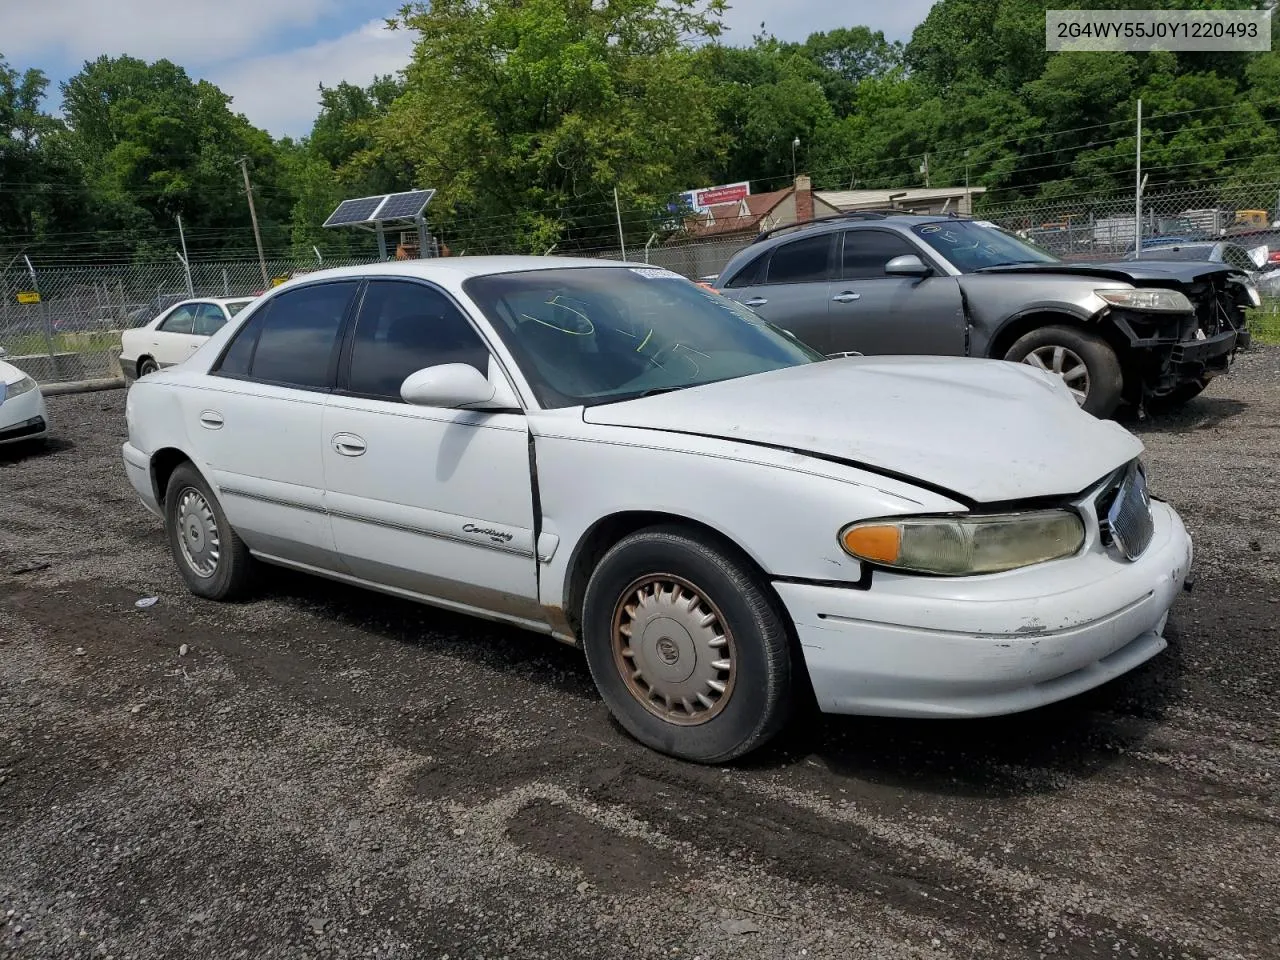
(687, 646)
(147, 365)
(1085, 362)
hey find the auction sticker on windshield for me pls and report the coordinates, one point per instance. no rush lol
(655, 273)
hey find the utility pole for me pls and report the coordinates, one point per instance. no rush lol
(186, 263)
(1137, 192)
(924, 168)
(617, 209)
(253, 214)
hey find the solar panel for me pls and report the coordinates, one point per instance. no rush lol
(404, 205)
(354, 211)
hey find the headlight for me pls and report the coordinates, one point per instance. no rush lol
(1255, 300)
(957, 546)
(1164, 301)
(19, 387)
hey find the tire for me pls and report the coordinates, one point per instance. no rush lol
(653, 576)
(1103, 381)
(211, 557)
(147, 365)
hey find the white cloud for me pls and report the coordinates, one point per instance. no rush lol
(189, 32)
(796, 19)
(279, 91)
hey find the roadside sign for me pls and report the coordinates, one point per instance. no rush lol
(28, 296)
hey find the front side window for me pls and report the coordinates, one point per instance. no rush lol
(802, 261)
(587, 335)
(181, 320)
(293, 339)
(867, 251)
(404, 327)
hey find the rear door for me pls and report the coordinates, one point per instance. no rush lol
(173, 340)
(257, 423)
(792, 288)
(874, 313)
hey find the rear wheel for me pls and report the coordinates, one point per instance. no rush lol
(686, 645)
(1085, 362)
(211, 557)
(147, 365)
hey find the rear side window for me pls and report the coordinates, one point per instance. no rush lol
(802, 261)
(404, 327)
(209, 320)
(180, 321)
(751, 275)
(294, 340)
(867, 251)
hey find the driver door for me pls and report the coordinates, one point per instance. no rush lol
(874, 313)
(432, 501)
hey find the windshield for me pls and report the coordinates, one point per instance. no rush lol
(235, 306)
(588, 335)
(971, 245)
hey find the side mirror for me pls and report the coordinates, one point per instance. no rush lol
(454, 386)
(907, 265)
(1259, 256)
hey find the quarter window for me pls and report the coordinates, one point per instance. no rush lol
(180, 321)
(405, 327)
(867, 251)
(293, 340)
(801, 261)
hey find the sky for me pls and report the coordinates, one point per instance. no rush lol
(271, 55)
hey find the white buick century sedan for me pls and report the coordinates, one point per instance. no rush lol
(716, 515)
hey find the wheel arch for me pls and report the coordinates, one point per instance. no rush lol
(1020, 324)
(142, 358)
(163, 462)
(601, 536)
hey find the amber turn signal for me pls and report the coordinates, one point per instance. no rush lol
(879, 543)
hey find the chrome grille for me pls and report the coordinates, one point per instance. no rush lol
(1128, 517)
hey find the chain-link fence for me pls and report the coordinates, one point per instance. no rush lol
(64, 322)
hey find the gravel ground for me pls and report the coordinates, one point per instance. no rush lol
(324, 772)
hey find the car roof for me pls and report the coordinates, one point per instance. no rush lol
(457, 269)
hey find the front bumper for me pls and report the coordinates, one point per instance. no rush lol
(984, 646)
(24, 417)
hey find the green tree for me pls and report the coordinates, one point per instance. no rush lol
(526, 114)
(156, 145)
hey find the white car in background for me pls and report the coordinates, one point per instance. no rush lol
(23, 415)
(716, 514)
(175, 334)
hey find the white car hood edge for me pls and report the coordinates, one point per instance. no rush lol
(983, 431)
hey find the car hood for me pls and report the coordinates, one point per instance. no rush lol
(985, 430)
(1141, 273)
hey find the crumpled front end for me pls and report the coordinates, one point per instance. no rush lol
(1171, 351)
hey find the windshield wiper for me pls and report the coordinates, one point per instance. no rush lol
(1003, 263)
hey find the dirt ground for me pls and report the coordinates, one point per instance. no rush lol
(324, 772)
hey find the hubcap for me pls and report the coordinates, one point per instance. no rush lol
(198, 533)
(673, 649)
(1067, 364)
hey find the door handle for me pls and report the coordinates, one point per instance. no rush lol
(348, 444)
(847, 297)
(211, 419)
(755, 302)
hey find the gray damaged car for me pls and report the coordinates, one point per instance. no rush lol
(1145, 332)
